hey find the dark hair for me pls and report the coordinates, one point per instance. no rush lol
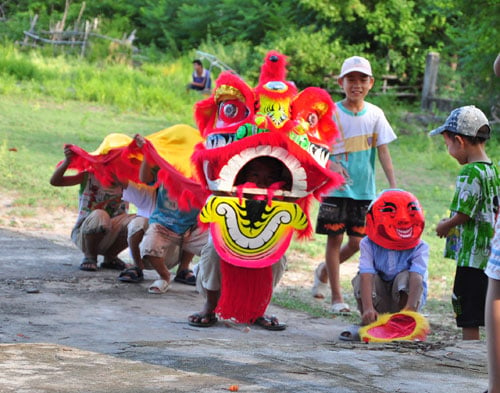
(473, 140)
(197, 61)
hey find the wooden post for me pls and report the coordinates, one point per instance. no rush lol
(430, 79)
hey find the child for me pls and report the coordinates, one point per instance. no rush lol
(101, 227)
(168, 229)
(144, 198)
(393, 259)
(470, 227)
(364, 132)
(263, 172)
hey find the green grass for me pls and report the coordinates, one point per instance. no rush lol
(47, 102)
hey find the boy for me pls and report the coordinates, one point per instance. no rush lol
(364, 132)
(262, 172)
(144, 198)
(473, 209)
(393, 259)
(168, 229)
(101, 227)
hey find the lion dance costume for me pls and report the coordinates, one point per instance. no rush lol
(251, 225)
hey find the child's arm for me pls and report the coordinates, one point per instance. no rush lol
(146, 172)
(414, 291)
(58, 179)
(385, 159)
(369, 314)
(446, 224)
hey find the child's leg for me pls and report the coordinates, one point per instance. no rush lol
(208, 283)
(493, 334)
(332, 263)
(470, 333)
(136, 229)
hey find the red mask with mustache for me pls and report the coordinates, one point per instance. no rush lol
(395, 220)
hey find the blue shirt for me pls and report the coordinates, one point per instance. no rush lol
(168, 214)
(356, 148)
(375, 259)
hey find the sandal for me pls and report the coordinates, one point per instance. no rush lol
(113, 263)
(350, 334)
(197, 319)
(185, 276)
(319, 289)
(269, 323)
(88, 264)
(340, 309)
(158, 287)
(133, 275)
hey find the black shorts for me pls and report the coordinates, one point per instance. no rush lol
(469, 296)
(339, 215)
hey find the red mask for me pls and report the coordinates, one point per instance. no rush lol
(395, 220)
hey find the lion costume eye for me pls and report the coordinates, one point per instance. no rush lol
(232, 111)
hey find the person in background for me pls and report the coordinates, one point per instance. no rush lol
(364, 132)
(200, 76)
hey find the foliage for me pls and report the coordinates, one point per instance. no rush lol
(316, 34)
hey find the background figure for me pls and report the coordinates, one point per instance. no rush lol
(200, 76)
(474, 207)
(101, 226)
(364, 132)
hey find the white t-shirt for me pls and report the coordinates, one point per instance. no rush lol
(142, 196)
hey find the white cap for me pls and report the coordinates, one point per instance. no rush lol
(356, 63)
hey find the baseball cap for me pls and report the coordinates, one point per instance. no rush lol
(356, 63)
(466, 120)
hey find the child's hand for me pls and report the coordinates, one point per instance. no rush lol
(369, 316)
(68, 153)
(442, 228)
(139, 140)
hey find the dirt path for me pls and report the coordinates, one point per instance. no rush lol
(65, 330)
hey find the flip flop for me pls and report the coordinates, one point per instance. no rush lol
(269, 323)
(132, 275)
(183, 279)
(340, 309)
(210, 317)
(319, 289)
(159, 287)
(88, 264)
(350, 334)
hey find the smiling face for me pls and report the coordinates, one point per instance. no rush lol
(356, 85)
(395, 220)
